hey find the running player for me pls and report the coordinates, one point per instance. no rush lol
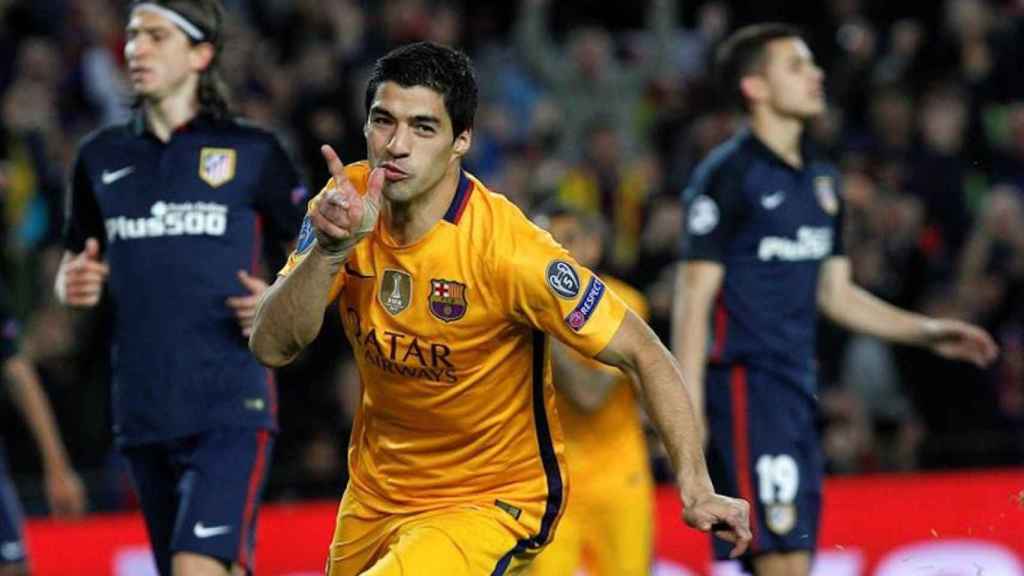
(171, 212)
(449, 296)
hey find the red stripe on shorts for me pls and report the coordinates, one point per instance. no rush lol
(252, 494)
(741, 444)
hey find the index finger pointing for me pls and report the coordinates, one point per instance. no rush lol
(334, 164)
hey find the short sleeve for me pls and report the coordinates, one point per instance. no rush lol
(550, 291)
(714, 209)
(82, 217)
(281, 195)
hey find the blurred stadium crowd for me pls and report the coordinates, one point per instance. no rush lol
(609, 109)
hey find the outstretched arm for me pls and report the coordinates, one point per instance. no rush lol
(291, 311)
(636, 350)
(856, 309)
(587, 387)
(697, 285)
(63, 487)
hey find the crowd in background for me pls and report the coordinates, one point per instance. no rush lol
(608, 109)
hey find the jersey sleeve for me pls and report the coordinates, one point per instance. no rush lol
(82, 217)
(549, 290)
(632, 297)
(714, 208)
(633, 300)
(281, 194)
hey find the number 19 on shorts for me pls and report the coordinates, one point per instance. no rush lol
(778, 482)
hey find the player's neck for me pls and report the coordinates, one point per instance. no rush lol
(780, 134)
(167, 114)
(407, 222)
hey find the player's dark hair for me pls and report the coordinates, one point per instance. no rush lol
(742, 53)
(208, 16)
(445, 70)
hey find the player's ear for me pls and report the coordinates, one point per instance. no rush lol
(201, 56)
(754, 88)
(462, 143)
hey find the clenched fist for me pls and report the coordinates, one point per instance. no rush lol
(81, 277)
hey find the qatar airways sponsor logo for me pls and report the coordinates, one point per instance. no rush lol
(402, 354)
(171, 219)
(811, 243)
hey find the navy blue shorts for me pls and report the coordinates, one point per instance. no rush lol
(764, 448)
(12, 540)
(201, 494)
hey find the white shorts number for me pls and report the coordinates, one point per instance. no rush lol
(778, 479)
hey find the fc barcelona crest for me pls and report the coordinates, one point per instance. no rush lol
(217, 165)
(395, 291)
(825, 190)
(447, 300)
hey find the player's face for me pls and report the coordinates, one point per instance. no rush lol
(795, 84)
(409, 134)
(161, 60)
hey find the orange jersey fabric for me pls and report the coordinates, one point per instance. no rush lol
(613, 434)
(450, 335)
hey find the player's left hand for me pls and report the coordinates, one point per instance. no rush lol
(245, 306)
(961, 341)
(65, 494)
(727, 518)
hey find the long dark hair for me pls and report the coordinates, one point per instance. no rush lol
(208, 16)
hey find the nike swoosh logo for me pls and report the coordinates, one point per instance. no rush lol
(109, 177)
(209, 531)
(353, 272)
(772, 201)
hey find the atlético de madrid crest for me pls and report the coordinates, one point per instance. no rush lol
(825, 190)
(217, 165)
(447, 299)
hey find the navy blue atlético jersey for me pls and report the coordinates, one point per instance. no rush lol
(176, 222)
(770, 225)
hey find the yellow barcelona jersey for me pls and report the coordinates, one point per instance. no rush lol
(450, 335)
(607, 445)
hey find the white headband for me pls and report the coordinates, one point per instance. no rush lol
(190, 29)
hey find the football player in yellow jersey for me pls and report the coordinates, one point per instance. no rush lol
(448, 295)
(607, 527)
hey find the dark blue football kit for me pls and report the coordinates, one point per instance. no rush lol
(194, 412)
(771, 226)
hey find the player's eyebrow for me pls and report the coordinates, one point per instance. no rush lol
(379, 110)
(426, 119)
